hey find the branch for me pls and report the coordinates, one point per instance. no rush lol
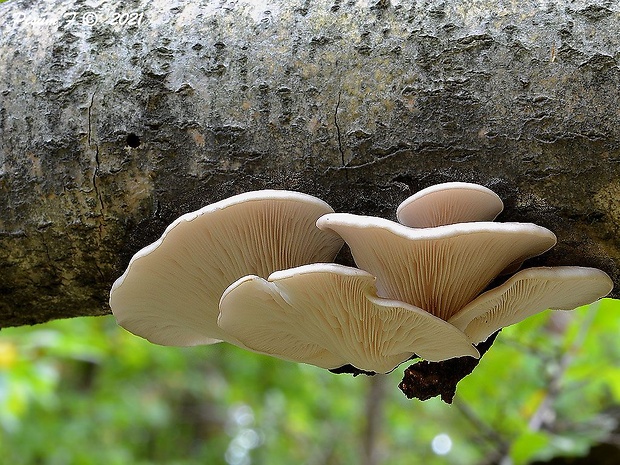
(374, 419)
(545, 413)
(500, 445)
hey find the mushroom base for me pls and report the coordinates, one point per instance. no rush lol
(424, 380)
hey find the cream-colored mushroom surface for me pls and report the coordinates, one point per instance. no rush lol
(170, 292)
(437, 269)
(449, 203)
(330, 315)
(529, 292)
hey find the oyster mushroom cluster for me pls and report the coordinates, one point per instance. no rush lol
(256, 270)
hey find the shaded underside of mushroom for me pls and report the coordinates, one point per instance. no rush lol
(438, 269)
(329, 315)
(170, 292)
(529, 292)
(449, 203)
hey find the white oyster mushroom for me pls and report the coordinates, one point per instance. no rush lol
(170, 292)
(529, 292)
(449, 203)
(438, 269)
(330, 315)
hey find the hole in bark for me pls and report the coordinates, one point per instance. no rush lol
(133, 140)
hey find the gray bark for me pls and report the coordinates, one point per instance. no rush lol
(110, 131)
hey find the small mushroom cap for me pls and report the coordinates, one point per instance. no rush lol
(170, 292)
(529, 292)
(449, 203)
(438, 269)
(329, 315)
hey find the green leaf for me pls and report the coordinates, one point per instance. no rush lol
(527, 446)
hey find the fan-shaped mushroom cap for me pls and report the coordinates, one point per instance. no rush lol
(529, 292)
(329, 315)
(438, 269)
(170, 292)
(449, 203)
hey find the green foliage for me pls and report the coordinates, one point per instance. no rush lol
(86, 392)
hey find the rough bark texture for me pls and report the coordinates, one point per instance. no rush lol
(110, 131)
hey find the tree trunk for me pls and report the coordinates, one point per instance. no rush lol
(115, 118)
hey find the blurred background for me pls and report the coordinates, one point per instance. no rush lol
(85, 391)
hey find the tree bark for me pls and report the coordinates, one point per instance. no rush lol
(109, 131)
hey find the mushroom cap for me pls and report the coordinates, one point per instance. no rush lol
(529, 292)
(170, 292)
(330, 315)
(449, 203)
(438, 269)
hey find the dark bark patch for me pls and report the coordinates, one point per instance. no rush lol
(133, 140)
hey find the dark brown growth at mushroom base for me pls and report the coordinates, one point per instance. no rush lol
(425, 380)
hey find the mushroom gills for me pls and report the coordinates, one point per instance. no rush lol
(334, 308)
